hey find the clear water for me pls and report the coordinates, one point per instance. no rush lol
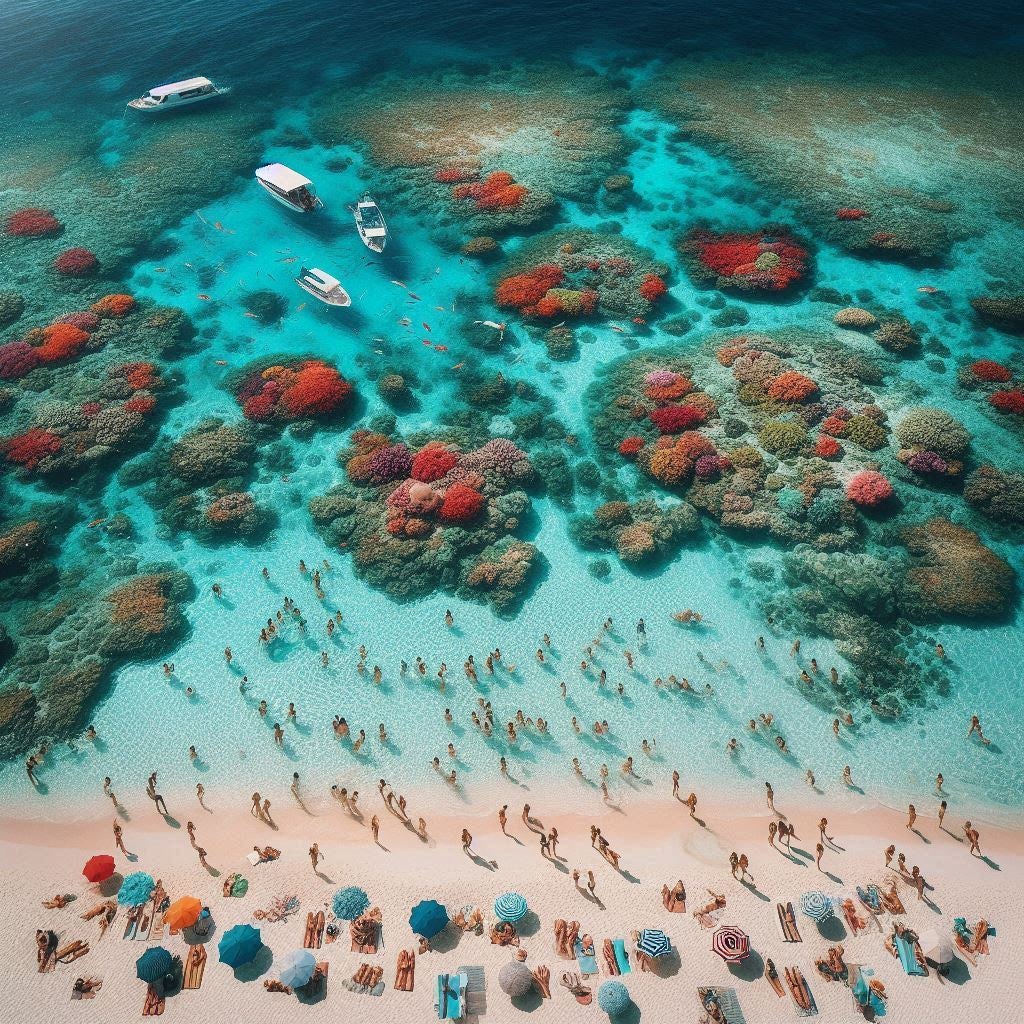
(240, 240)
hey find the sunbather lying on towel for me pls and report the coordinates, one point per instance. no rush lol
(58, 902)
(86, 986)
(276, 986)
(267, 853)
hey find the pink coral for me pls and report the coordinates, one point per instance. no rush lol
(868, 488)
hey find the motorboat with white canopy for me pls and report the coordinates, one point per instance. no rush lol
(288, 187)
(323, 287)
(370, 223)
(177, 94)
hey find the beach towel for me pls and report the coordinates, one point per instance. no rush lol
(863, 996)
(726, 1000)
(586, 960)
(621, 956)
(908, 958)
(871, 898)
(450, 1001)
(476, 989)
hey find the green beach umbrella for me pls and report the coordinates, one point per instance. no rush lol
(154, 964)
(239, 945)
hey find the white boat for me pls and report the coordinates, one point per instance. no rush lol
(177, 94)
(288, 187)
(323, 287)
(370, 223)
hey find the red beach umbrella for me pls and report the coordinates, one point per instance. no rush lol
(99, 868)
(731, 944)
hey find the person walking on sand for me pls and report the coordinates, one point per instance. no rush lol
(890, 852)
(421, 828)
(592, 884)
(691, 802)
(503, 818)
(901, 863)
(295, 787)
(256, 810)
(734, 862)
(942, 813)
(314, 856)
(158, 800)
(918, 881)
(119, 839)
(786, 833)
(190, 828)
(467, 841)
(911, 816)
(973, 837)
(823, 831)
(819, 851)
(202, 857)
(769, 794)
(553, 840)
(200, 793)
(773, 828)
(375, 828)
(545, 846)
(265, 813)
(675, 783)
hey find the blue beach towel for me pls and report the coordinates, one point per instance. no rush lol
(621, 956)
(907, 956)
(587, 961)
(864, 996)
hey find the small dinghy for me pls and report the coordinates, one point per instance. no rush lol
(177, 94)
(370, 223)
(323, 287)
(288, 187)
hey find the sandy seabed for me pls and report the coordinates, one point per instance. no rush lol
(658, 842)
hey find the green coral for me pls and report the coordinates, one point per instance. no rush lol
(785, 438)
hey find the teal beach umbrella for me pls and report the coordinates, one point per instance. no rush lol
(510, 906)
(136, 889)
(239, 945)
(428, 918)
(154, 964)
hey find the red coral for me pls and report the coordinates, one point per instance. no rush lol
(834, 425)
(90, 409)
(827, 447)
(140, 376)
(143, 405)
(31, 222)
(791, 386)
(461, 504)
(868, 488)
(76, 262)
(454, 175)
(30, 448)
(496, 192)
(318, 390)
(525, 290)
(851, 213)
(990, 371)
(669, 392)
(629, 446)
(84, 319)
(432, 462)
(61, 342)
(652, 287)
(259, 407)
(16, 359)
(114, 305)
(1008, 401)
(743, 259)
(674, 419)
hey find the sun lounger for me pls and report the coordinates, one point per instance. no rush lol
(621, 956)
(405, 971)
(870, 898)
(155, 1002)
(131, 923)
(195, 965)
(585, 959)
(71, 951)
(786, 919)
(906, 952)
(800, 992)
(720, 1004)
(450, 1001)
(476, 989)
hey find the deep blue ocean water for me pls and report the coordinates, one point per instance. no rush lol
(91, 57)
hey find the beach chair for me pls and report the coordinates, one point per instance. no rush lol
(450, 1000)
(476, 990)
(785, 918)
(907, 953)
(871, 899)
(195, 966)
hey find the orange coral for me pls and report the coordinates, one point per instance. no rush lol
(113, 305)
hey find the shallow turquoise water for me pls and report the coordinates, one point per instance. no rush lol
(243, 240)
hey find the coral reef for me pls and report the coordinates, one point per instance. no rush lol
(641, 532)
(997, 494)
(1003, 311)
(429, 514)
(290, 390)
(768, 260)
(31, 222)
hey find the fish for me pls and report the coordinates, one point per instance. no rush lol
(458, 366)
(251, 316)
(426, 326)
(614, 327)
(428, 343)
(405, 321)
(217, 224)
(205, 298)
(288, 259)
(190, 267)
(160, 270)
(640, 320)
(440, 348)
(440, 309)
(928, 289)
(413, 295)
(221, 362)
(301, 306)
(96, 522)
(400, 284)
(249, 252)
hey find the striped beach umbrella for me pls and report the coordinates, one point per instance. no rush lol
(297, 968)
(510, 906)
(154, 964)
(816, 905)
(99, 868)
(732, 944)
(136, 889)
(653, 942)
(239, 945)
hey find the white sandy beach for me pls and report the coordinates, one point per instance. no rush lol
(658, 843)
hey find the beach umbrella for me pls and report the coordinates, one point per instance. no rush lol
(297, 968)
(510, 906)
(154, 964)
(349, 903)
(613, 997)
(732, 944)
(99, 868)
(653, 942)
(183, 913)
(428, 918)
(515, 979)
(136, 889)
(816, 905)
(239, 945)
(937, 948)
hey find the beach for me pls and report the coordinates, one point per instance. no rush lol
(658, 842)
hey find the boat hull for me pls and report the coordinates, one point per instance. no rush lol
(343, 299)
(161, 108)
(285, 202)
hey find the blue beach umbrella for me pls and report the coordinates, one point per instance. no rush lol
(349, 903)
(297, 968)
(653, 942)
(136, 889)
(428, 918)
(816, 905)
(154, 964)
(510, 906)
(239, 945)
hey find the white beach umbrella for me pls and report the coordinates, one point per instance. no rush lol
(937, 948)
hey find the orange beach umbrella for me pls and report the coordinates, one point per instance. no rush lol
(183, 913)
(99, 868)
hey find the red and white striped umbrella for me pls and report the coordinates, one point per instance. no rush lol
(731, 943)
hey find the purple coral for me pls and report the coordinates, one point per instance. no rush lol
(661, 378)
(927, 462)
(83, 320)
(707, 466)
(392, 462)
(16, 359)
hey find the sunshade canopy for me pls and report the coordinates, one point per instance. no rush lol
(428, 918)
(154, 964)
(99, 868)
(297, 968)
(731, 944)
(239, 945)
(510, 906)
(282, 177)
